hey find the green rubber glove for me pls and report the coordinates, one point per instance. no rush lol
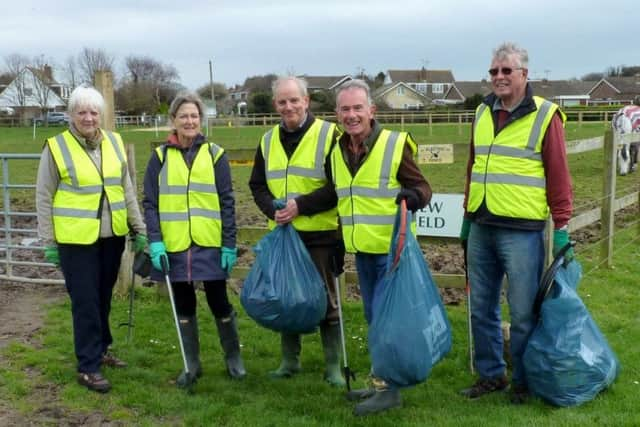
(228, 259)
(139, 243)
(560, 240)
(464, 231)
(158, 250)
(52, 255)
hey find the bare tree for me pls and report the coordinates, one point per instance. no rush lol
(19, 91)
(41, 81)
(71, 72)
(92, 60)
(148, 83)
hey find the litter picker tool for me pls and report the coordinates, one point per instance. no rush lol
(141, 266)
(467, 290)
(165, 269)
(337, 269)
(548, 278)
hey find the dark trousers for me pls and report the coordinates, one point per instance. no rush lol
(90, 272)
(217, 298)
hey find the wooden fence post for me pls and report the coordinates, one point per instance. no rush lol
(430, 124)
(104, 84)
(609, 197)
(459, 123)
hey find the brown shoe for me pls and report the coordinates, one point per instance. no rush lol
(94, 382)
(484, 386)
(110, 360)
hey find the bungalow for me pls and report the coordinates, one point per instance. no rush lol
(563, 92)
(615, 90)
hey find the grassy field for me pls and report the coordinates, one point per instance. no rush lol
(143, 393)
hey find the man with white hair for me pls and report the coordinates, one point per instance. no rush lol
(516, 175)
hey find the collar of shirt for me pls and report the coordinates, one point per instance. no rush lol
(497, 105)
(304, 120)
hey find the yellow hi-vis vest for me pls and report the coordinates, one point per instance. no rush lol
(188, 202)
(78, 198)
(366, 201)
(508, 171)
(301, 174)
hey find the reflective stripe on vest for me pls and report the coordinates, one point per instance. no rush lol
(366, 201)
(188, 203)
(76, 203)
(507, 171)
(301, 174)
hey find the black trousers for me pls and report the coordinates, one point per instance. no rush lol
(90, 273)
(217, 298)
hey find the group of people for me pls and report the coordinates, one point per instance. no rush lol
(338, 186)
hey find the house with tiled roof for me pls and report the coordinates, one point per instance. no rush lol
(33, 92)
(563, 92)
(615, 90)
(320, 83)
(400, 96)
(431, 83)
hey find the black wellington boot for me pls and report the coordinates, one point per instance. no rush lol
(189, 331)
(228, 332)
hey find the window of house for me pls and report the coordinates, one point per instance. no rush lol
(421, 87)
(438, 88)
(400, 90)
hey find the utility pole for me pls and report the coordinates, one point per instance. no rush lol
(211, 81)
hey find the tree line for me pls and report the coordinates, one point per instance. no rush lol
(142, 84)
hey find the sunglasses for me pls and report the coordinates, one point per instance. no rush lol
(505, 70)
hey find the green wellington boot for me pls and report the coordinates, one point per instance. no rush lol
(330, 335)
(291, 346)
(189, 333)
(228, 332)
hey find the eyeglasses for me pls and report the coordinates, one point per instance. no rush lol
(505, 70)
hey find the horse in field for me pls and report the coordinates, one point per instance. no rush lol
(627, 121)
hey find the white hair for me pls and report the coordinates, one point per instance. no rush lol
(85, 96)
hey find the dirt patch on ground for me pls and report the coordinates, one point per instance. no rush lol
(22, 308)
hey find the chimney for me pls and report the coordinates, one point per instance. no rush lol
(47, 71)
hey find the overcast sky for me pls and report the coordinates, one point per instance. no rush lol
(565, 38)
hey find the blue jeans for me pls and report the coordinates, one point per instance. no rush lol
(371, 269)
(493, 252)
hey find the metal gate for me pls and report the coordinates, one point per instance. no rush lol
(21, 252)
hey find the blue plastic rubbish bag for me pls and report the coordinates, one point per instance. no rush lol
(284, 290)
(567, 359)
(410, 331)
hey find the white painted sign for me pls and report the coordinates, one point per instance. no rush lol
(442, 217)
(435, 153)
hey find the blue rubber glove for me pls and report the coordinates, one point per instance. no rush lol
(228, 259)
(158, 250)
(139, 243)
(52, 255)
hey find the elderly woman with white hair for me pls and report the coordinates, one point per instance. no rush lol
(86, 206)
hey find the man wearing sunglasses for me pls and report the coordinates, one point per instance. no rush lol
(517, 174)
